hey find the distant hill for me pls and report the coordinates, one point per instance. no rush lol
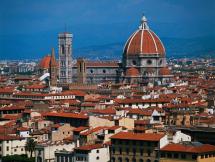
(175, 47)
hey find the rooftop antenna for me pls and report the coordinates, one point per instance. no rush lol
(65, 27)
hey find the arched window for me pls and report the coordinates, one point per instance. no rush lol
(120, 159)
(39, 159)
(134, 62)
(62, 49)
(113, 159)
(133, 160)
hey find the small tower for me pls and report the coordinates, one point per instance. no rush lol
(81, 70)
(53, 69)
(65, 57)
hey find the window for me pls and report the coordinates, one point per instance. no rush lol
(120, 151)
(133, 160)
(127, 150)
(113, 150)
(91, 71)
(134, 151)
(126, 160)
(14, 150)
(206, 155)
(97, 151)
(7, 148)
(134, 62)
(149, 152)
(202, 156)
(148, 143)
(141, 152)
(104, 71)
(163, 155)
(113, 159)
(176, 156)
(160, 62)
(62, 49)
(183, 156)
(120, 159)
(169, 155)
(149, 62)
(194, 157)
(141, 160)
(97, 158)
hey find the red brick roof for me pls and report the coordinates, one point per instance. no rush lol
(93, 130)
(79, 129)
(189, 148)
(66, 115)
(90, 147)
(140, 112)
(138, 136)
(7, 137)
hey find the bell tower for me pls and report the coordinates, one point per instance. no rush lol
(53, 69)
(65, 57)
(81, 70)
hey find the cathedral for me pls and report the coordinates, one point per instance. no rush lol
(143, 61)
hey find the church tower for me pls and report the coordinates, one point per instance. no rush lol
(65, 57)
(81, 71)
(53, 69)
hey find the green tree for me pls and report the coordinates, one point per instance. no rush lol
(30, 146)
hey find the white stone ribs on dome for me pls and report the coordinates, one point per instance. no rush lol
(132, 39)
(155, 44)
(160, 42)
(141, 41)
(127, 43)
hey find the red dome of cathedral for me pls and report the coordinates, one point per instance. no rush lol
(144, 42)
(45, 62)
(133, 72)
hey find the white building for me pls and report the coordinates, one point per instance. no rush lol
(46, 151)
(12, 145)
(87, 153)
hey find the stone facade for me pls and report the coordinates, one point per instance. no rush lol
(65, 57)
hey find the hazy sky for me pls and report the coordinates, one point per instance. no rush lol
(28, 28)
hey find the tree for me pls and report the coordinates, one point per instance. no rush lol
(30, 146)
(17, 158)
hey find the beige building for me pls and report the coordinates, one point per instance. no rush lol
(97, 122)
(61, 131)
(125, 122)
